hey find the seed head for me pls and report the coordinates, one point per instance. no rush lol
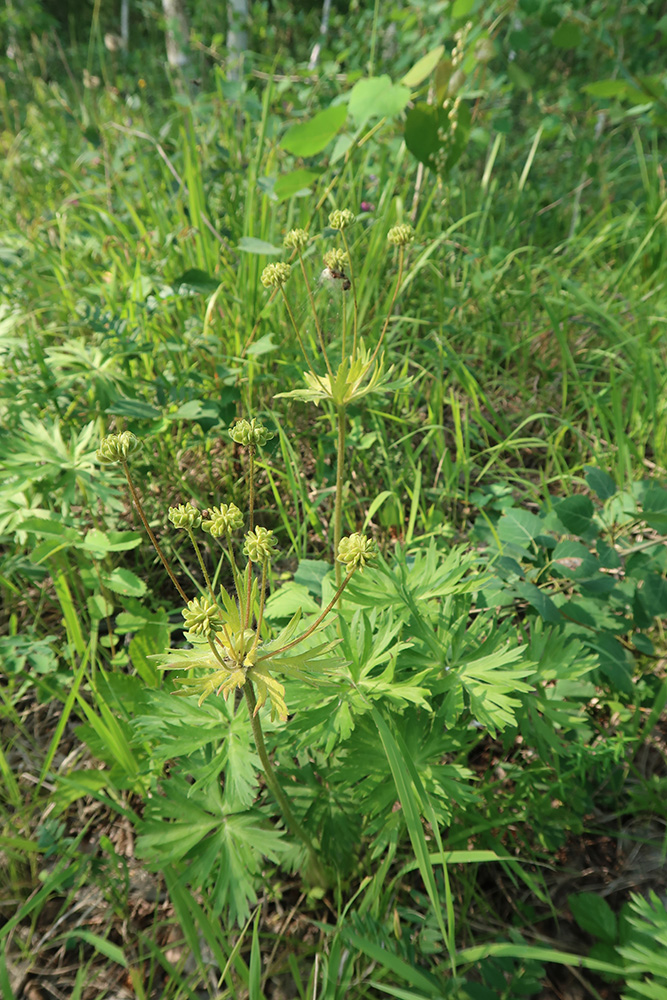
(250, 433)
(275, 275)
(400, 236)
(223, 520)
(355, 551)
(296, 239)
(260, 545)
(185, 515)
(201, 616)
(116, 447)
(336, 260)
(341, 218)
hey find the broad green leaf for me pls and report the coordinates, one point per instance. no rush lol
(249, 244)
(97, 541)
(653, 593)
(567, 35)
(197, 280)
(377, 97)
(462, 8)
(613, 662)
(575, 514)
(606, 88)
(297, 180)
(134, 408)
(123, 581)
(519, 527)
(600, 482)
(310, 573)
(655, 508)
(341, 146)
(594, 915)
(290, 598)
(539, 600)
(423, 68)
(45, 526)
(310, 138)
(427, 129)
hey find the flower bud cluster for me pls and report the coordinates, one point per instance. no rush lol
(201, 616)
(461, 38)
(355, 551)
(401, 235)
(341, 218)
(116, 447)
(250, 433)
(275, 275)
(260, 545)
(296, 239)
(336, 260)
(185, 516)
(223, 520)
(446, 136)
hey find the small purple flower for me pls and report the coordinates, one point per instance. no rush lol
(367, 207)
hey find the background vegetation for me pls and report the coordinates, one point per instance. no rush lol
(483, 767)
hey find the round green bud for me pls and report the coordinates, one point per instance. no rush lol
(341, 218)
(355, 551)
(400, 236)
(250, 433)
(336, 260)
(185, 515)
(201, 616)
(275, 275)
(296, 239)
(116, 447)
(260, 545)
(223, 520)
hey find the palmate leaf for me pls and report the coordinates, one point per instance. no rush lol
(351, 381)
(489, 685)
(411, 581)
(220, 849)
(646, 949)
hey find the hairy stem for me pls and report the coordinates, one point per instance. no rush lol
(316, 318)
(140, 509)
(297, 332)
(311, 628)
(202, 565)
(354, 295)
(315, 870)
(251, 487)
(338, 503)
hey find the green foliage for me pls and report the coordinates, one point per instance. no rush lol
(580, 566)
(496, 388)
(644, 948)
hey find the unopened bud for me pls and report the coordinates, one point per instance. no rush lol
(355, 551)
(341, 218)
(116, 447)
(185, 515)
(260, 545)
(275, 275)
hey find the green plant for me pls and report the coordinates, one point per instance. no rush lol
(230, 643)
(361, 371)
